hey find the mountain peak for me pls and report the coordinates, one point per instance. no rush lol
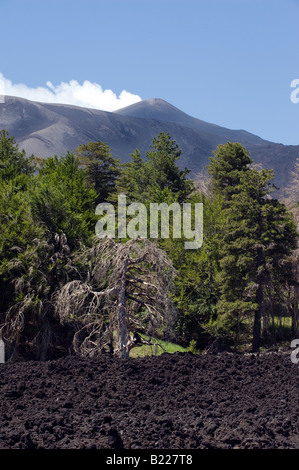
(158, 109)
(156, 101)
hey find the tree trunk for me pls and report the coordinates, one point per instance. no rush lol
(295, 312)
(257, 329)
(295, 303)
(123, 349)
(259, 300)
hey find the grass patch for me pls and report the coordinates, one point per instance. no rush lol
(279, 331)
(159, 347)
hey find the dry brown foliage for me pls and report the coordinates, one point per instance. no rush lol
(127, 291)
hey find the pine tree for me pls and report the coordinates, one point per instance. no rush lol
(257, 235)
(197, 292)
(102, 169)
(62, 202)
(229, 163)
(149, 179)
(13, 162)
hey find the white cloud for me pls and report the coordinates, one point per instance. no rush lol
(89, 95)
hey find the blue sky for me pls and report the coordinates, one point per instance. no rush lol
(229, 62)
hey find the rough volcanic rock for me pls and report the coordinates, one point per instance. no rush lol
(174, 401)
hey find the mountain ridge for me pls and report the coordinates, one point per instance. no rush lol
(47, 129)
(164, 111)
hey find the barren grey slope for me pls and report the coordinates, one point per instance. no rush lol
(49, 129)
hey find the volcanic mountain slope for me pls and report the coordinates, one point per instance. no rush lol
(52, 129)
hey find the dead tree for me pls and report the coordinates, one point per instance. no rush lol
(291, 200)
(127, 290)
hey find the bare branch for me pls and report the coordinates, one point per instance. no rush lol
(111, 266)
